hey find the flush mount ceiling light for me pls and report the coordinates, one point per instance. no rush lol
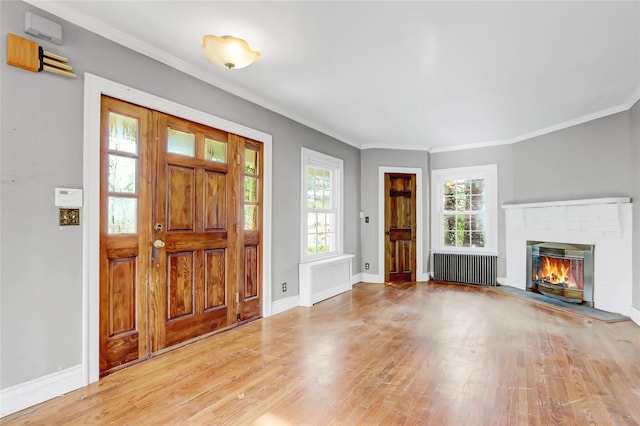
(228, 51)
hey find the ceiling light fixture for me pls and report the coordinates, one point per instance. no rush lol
(228, 51)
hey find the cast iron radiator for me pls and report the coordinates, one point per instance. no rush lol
(465, 268)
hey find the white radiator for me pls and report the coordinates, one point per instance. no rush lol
(465, 268)
(324, 278)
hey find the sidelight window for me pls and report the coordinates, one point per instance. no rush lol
(122, 174)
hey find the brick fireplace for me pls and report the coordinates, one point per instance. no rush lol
(567, 233)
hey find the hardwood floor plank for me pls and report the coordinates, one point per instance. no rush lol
(422, 353)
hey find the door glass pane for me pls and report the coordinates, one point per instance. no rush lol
(122, 215)
(250, 161)
(250, 189)
(215, 150)
(122, 174)
(182, 143)
(123, 133)
(250, 216)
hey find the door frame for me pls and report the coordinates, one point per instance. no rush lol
(94, 88)
(382, 170)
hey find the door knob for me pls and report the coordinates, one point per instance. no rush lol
(158, 243)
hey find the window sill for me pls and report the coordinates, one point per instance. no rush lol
(328, 259)
(465, 250)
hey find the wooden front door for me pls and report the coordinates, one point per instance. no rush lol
(400, 227)
(183, 247)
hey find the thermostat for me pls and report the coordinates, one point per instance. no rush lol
(68, 197)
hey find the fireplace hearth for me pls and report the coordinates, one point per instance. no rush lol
(560, 270)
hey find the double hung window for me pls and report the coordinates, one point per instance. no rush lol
(321, 205)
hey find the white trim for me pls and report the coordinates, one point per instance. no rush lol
(285, 304)
(372, 278)
(634, 314)
(94, 87)
(395, 147)
(355, 279)
(633, 98)
(489, 172)
(27, 394)
(311, 157)
(586, 202)
(420, 274)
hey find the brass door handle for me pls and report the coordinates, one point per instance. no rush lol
(158, 243)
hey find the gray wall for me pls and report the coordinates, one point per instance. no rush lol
(501, 155)
(371, 160)
(586, 161)
(42, 125)
(634, 121)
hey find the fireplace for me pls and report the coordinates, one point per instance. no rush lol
(560, 270)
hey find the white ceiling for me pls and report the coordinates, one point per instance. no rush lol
(413, 75)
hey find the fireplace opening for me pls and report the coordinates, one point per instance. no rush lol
(560, 270)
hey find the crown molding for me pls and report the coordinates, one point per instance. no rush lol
(91, 24)
(625, 106)
(395, 147)
(96, 26)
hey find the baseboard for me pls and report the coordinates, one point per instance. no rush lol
(356, 278)
(424, 277)
(285, 304)
(27, 394)
(333, 291)
(371, 278)
(634, 314)
(501, 280)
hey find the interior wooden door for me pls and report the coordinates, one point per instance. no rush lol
(400, 226)
(181, 232)
(125, 201)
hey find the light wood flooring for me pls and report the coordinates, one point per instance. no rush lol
(424, 353)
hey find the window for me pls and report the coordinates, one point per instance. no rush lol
(251, 188)
(465, 209)
(321, 205)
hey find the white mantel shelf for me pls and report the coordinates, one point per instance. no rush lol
(592, 201)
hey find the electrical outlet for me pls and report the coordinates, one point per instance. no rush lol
(366, 266)
(284, 287)
(366, 219)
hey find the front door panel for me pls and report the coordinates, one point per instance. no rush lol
(180, 245)
(192, 283)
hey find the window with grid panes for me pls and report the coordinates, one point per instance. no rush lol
(464, 201)
(321, 205)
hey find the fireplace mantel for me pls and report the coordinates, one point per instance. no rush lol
(605, 223)
(587, 202)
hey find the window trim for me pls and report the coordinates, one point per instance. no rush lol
(315, 158)
(489, 172)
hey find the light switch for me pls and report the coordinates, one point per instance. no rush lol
(69, 217)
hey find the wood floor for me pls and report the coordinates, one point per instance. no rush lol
(423, 353)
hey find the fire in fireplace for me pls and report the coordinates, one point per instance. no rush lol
(560, 270)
